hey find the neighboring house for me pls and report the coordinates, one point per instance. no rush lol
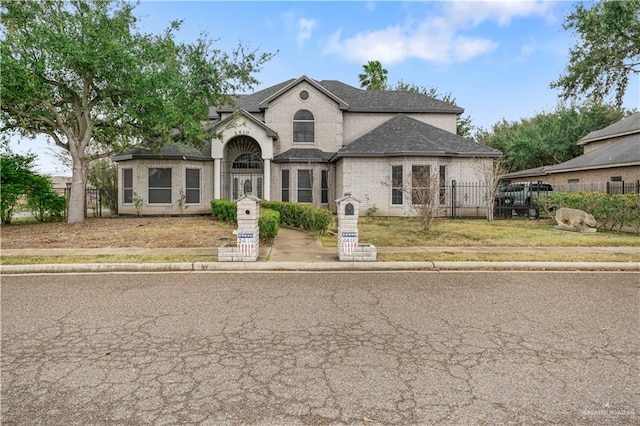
(611, 159)
(308, 141)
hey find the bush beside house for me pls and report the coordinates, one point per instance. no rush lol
(613, 212)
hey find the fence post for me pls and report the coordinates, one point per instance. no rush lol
(453, 199)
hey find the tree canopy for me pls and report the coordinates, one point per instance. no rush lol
(374, 76)
(606, 53)
(81, 73)
(547, 138)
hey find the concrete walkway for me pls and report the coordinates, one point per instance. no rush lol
(294, 249)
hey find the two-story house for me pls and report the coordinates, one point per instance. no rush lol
(308, 141)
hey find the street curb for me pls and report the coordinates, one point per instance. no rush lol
(315, 266)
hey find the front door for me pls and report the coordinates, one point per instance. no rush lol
(243, 184)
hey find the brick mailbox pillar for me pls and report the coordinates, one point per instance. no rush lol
(247, 246)
(349, 247)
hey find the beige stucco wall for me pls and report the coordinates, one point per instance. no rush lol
(360, 123)
(141, 185)
(326, 113)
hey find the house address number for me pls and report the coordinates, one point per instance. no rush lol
(242, 132)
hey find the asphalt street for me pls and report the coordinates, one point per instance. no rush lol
(432, 347)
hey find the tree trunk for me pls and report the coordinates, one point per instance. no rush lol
(77, 196)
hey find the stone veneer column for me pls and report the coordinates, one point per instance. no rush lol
(349, 247)
(247, 246)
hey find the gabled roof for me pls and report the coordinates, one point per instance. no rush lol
(303, 155)
(403, 135)
(349, 98)
(265, 103)
(622, 153)
(269, 131)
(626, 126)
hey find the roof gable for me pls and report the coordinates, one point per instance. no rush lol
(229, 120)
(403, 135)
(265, 103)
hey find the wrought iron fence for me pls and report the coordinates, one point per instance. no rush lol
(94, 203)
(473, 199)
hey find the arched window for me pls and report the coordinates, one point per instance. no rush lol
(303, 126)
(247, 160)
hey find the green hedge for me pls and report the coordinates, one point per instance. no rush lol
(301, 215)
(613, 212)
(224, 210)
(269, 223)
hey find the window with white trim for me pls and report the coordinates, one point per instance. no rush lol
(127, 186)
(420, 182)
(285, 185)
(192, 186)
(396, 185)
(303, 127)
(305, 188)
(324, 187)
(160, 186)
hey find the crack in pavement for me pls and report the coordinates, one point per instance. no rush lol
(367, 353)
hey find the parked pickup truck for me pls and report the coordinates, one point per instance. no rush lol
(519, 197)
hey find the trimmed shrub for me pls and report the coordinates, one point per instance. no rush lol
(43, 202)
(269, 223)
(301, 215)
(224, 210)
(613, 212)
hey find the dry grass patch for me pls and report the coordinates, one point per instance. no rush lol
(151, 258)
(147, 232)
(517, 232)
(507, 257)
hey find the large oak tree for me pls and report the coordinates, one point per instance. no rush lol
(81, 73)
(606, 53)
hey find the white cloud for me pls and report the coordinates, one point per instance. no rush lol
(503, 12)
(304, 28)
(442, 37)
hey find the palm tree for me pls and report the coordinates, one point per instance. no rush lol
(374, 76)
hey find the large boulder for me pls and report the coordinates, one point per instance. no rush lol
(575, 220)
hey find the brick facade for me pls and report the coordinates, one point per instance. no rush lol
(264, 125)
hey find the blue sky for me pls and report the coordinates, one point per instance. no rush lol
(496, 58)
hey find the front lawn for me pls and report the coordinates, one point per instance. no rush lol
(516, 232)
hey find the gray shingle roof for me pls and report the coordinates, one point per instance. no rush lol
(303, 155)
(403, 135)
(629, 124)
(360, 100)
(357, 100)
(169, 151)
(624, 152)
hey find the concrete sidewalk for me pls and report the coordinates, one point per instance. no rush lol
(296, 250)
